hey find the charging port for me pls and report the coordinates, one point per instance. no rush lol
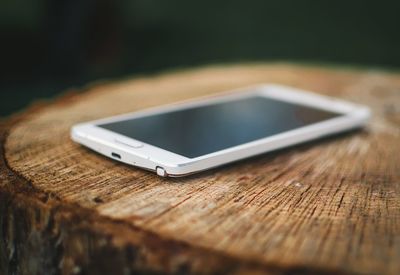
(115, 155)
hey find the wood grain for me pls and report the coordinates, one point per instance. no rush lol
(323, 207)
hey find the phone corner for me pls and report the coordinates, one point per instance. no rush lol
(76, 133)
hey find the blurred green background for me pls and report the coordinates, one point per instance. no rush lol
(48, 46)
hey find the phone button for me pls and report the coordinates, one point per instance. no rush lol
(129, 142)
(161, 171)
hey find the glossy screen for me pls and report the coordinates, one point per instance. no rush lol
(198, 131)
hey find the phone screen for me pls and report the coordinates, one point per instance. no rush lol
(202, 130)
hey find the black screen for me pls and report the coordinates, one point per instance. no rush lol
(206, 129)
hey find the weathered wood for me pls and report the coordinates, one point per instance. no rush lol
(327, 206)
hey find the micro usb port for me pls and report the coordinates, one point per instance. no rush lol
(115, 155)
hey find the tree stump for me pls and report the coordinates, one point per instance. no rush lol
(331, 206)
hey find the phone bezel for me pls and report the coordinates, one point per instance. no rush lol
(150, 157)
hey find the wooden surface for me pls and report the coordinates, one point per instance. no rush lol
(324, 207)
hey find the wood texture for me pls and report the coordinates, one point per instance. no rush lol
(324, 207)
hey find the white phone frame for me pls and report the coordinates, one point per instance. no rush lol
(166, 163)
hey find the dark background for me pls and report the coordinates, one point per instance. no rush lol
(47, 46)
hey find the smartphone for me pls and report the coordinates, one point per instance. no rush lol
(184, 138)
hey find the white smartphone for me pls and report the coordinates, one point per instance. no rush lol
(189, 137)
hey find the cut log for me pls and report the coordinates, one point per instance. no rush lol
(330, 206)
